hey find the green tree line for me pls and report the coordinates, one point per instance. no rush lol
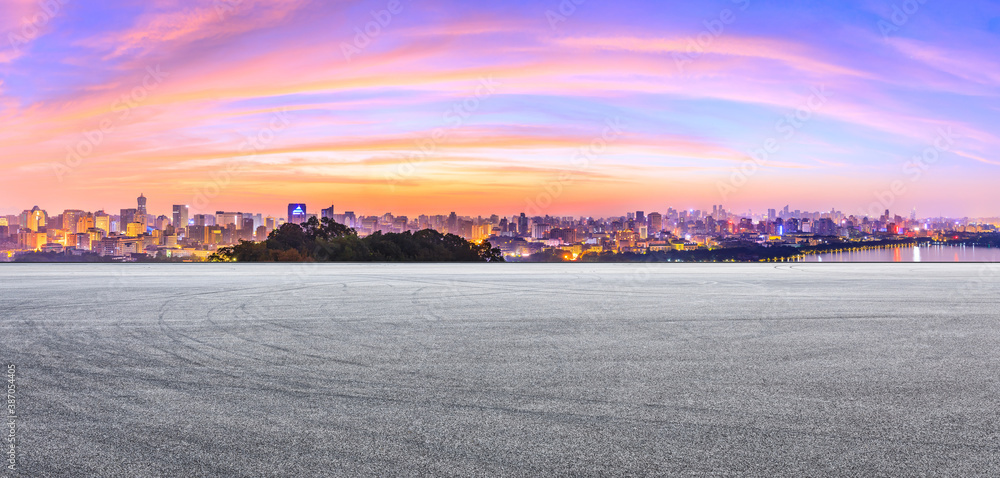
(329, 241)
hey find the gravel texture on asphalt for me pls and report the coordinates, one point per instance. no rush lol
(504, 370)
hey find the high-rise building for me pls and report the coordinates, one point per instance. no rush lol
(134, 229)
(161, 223)
(32, 240)
(247, 230)
(656, 222)
(34, 219)
(180, 216)
(327, 213)
(128, 216)
(140, 211)
(540, 231)
(297, 213)
(84, 222)
(70, 218)
(102, 221)
(224, 219)
(204, 220)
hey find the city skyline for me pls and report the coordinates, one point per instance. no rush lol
(136, 233)
(299, 212)
(568, 107)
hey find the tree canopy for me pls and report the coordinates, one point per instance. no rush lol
(329, 241)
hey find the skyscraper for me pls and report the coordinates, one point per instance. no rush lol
(223, 218)
(246, 228)
(180, 216)
(327, 213)
(33, 219)
(84, 223)
(70, 218)
(126, 217)
(102, 221)
(297, 213)
(656, 222)
(140, 211)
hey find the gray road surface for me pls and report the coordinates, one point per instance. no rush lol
(504, 370)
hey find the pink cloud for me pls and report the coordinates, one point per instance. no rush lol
(179, 23)
(965, 64)
(793, 54)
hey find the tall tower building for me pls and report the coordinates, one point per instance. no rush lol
(140, 211)
(180, 216)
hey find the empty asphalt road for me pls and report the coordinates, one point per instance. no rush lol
(503, 370)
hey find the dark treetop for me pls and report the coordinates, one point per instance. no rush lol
(328, 241)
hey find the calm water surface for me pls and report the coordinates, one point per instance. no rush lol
(913, 254)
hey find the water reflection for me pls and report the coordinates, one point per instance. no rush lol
(929, 253)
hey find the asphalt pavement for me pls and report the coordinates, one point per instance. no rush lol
(503, 369)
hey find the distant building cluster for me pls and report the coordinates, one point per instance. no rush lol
(134, 233)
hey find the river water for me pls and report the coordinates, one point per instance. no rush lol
(926, 253)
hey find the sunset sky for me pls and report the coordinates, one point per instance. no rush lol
(500, 107)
